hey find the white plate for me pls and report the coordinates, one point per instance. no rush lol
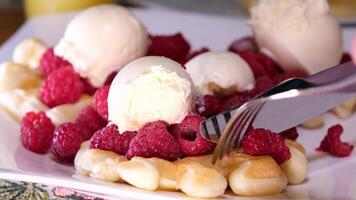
(328, 177)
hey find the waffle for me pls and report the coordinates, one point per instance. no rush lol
(196, 176)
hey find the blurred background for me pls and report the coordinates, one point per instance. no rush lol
(14, 12)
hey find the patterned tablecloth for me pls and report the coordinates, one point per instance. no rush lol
(11, 190)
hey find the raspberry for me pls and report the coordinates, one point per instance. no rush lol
(260, 64)
(332, 143)
(270, 66)
(66, 141)
(110, 78)
(244, 44)
(234, 101)
(256, 67)
(50, 62)
(61, 86)
(264, 142)
(291, 134)
(36, 132)
(154, 140)
(346, 57)
(174, 47)
(110, 139)
(88, 87)
(196, 52)
(263, 83)
(189, 137)
(100, 101)
(90, 121)
(208, 105)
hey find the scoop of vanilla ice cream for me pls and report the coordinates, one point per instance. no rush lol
(149, 89)
(301, 35)
(102, 39)
(225, 69)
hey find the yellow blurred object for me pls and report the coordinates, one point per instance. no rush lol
(343, 8)
(339, 8)
(39, 7)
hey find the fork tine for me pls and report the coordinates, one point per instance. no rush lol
(233, 133)
(249, 122)
(239, 131)
(236, 129)
(226, 133)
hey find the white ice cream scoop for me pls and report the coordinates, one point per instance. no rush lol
(101, 40)
(225, 70)
(149, 89)
(301, 35)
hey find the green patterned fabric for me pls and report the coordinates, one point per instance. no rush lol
(22, 190)
(12, 190)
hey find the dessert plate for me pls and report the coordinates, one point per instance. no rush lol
(328, 177)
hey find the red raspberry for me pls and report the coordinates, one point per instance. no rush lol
(208, 105)
(110, 78)
(188, 135)
(243, 44)
(36, 132)
(88, 87)
(291, 134)
(260, 64)
(196, 52)
(234, 101)
(154, 140)
(263, 83)
(50, 62)
(346, 57)
(332, 143)
(110, 139)
(90, 121)
(61, 86)
(270, 66)
(67, 140)
(101, 101)
(256, 67)
(174, 47)
(264, 142)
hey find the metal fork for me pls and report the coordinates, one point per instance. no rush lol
(236, 128)
(232, 125)
(243, 117)
(241, 123)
